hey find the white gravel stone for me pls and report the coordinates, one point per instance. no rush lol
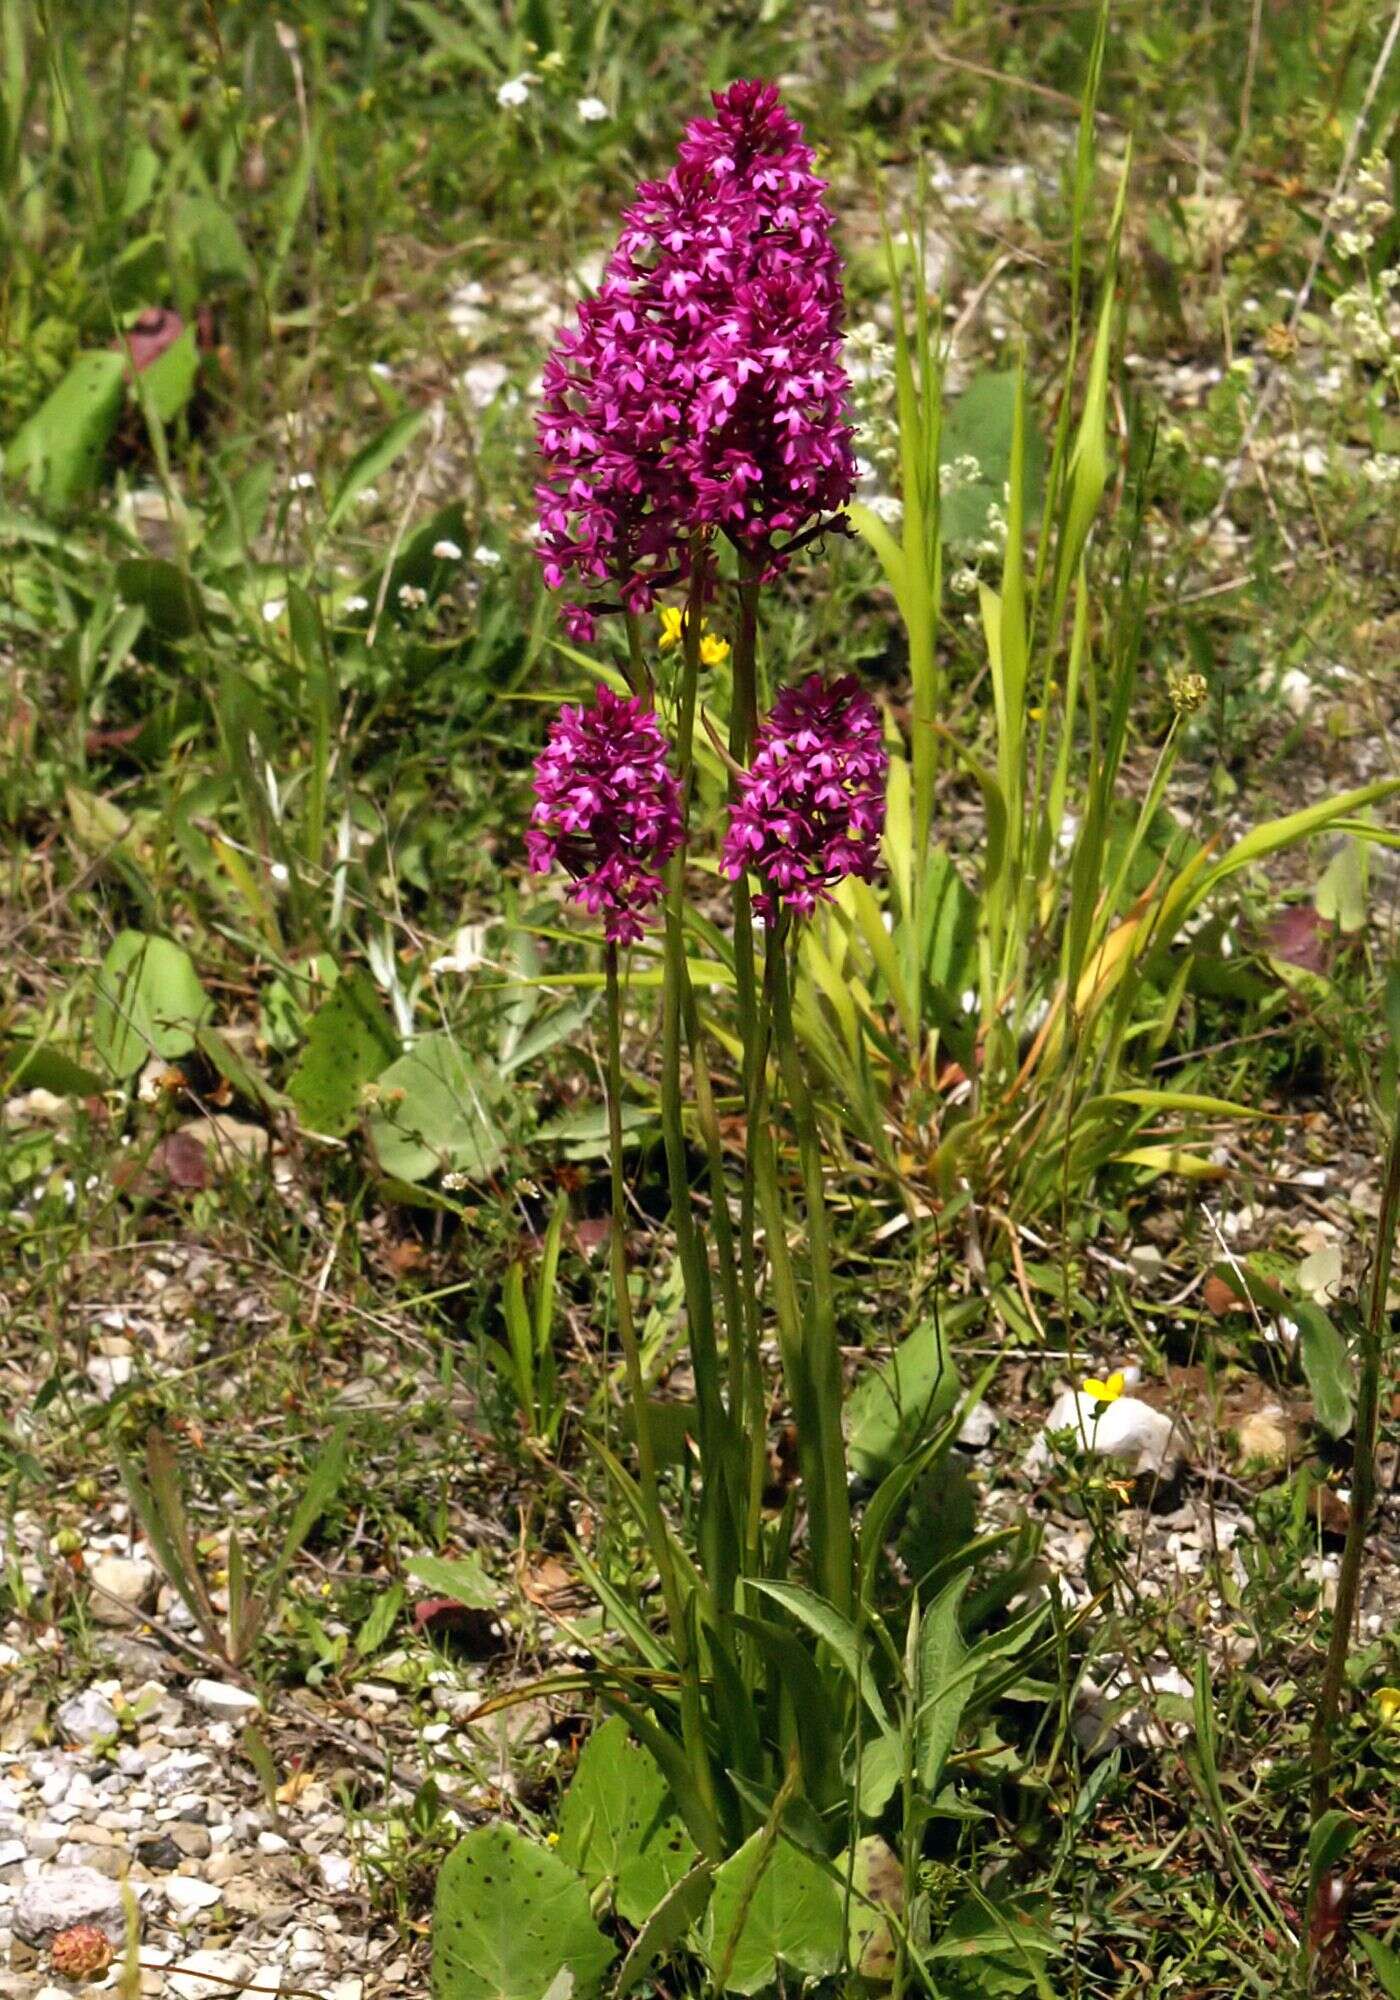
(205, 1974)
(1126, 1429)
(131, 1581)
(223, 1698)
(57, 1898)
(87, 1717)
(188, 1896)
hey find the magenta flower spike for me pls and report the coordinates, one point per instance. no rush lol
(811, 807)
(607, 809)
(702, 388)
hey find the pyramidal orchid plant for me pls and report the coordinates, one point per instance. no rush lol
(694, 436)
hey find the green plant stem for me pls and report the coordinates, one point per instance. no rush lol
(753, 1035)
(658, 1535)
(622, 1297)
(721, 1504)
(831, 1550)
(1363, 1486)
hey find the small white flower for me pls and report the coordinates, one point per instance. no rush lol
(969, 1001)
(273, 610)
(447, 551)
(512, 95)
(592, 110)
(382, 370)
(485, 557)
(302, 482)
(412, 596)
(357, 603)
(886, 507)
(280, 872)
(468, 950)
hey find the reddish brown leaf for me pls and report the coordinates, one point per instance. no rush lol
(1220, 1299)
(183, 1161)
(157, 328)
(1299, 936)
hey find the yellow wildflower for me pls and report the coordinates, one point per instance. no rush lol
(1105, 1392)
(714, 651)
(1388, 1702)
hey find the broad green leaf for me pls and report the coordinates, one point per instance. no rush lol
(204, 233)
(1340, 896)
(461, 1578)
(40, 1066)
(826, 1623)
(981, 425)
(619, 1827)
(437, 1112)
(169, 598)
(943, 1691)
(892, 1407)
(149, 1002)
(771, 1905)
(509, 1918)
(167, 385)
(349, 1043)
(58, 452)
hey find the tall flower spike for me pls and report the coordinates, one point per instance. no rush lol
(811, 807)
(607, 809)
(703, 387)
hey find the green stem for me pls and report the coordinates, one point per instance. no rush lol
(832, 1558)
(753, 1035)
(658, 1535)
(719, 1501)
(1363, 1486)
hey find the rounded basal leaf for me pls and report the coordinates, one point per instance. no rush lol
(149, 1002)
(618, 1824)
(790, 1914)
(436, 1113)
(509, 1920)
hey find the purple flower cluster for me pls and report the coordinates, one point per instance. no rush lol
(703, 387)
(811, 807)
(607, 809)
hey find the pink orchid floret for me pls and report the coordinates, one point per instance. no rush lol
(607, 810)
(811, 807)
(702, 388)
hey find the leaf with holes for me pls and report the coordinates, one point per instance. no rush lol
(618, 1824)
(509, 1919)
(349, 1043)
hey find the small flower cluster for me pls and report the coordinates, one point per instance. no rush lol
(811, 808)
(607, 810)
(702, 388)
(809, 813)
